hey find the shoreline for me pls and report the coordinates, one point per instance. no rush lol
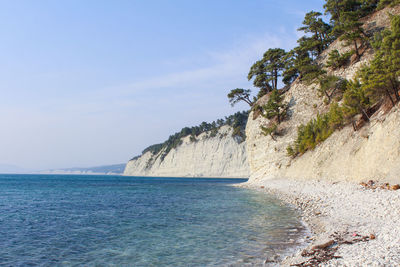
(350, 225)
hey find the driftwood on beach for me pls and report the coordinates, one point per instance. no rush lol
(326, 251)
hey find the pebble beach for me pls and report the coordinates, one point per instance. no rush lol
(351, 224)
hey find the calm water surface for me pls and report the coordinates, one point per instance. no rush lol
(71, 220)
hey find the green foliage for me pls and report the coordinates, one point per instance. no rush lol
(381, 78)
(291, 151)
(271, 130)
(214, 132)
(239, 94)
(237, 121)
(275, 108)
(345, 19)
(309, 135)
(300, 64)
(383, 3)
(316, 130)
(310, 72)
(336, 8)
(339, 8)
(291, 71)
(154, 149)
(355, 100)
(238, 131)
(262, 93)
(267, 71)
(352, 32)
(337, 60)
(331, 85)
(335, 116)
(319, 39)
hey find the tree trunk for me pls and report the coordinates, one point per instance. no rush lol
(390, 97)
(365, 114)
(322, 43)
(328, 96)
(356, 50)
(354, 126)
(248, 101)
(395, 91)
(278, 116)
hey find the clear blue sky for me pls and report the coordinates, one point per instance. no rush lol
(92, 82)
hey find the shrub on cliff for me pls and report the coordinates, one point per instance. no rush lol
(273, 109)
(337, 60)
(316, 130)
(331, 85)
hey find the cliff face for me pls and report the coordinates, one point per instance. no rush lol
(218, 156)
(370, 153)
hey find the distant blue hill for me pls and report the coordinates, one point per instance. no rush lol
(107, 169)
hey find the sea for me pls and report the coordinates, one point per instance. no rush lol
(93, 220)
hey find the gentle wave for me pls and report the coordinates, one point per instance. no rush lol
(67, 220)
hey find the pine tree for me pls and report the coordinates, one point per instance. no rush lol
(330, 85)
(275, 108)
(383, 3)
(267, 71)
(352, 32)
(381, 78)
(337, 60)
(239, 94)
(337, 8)
(290, 72)
(319, 29)
(355, 99)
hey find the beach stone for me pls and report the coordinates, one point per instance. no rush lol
(395, 187)
(372, 236)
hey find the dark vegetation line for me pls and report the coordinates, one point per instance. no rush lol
(237, 121)
(347, 100)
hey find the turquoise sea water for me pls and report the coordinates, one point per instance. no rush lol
(75, 220)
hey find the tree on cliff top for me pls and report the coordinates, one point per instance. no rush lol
(239, 94)
(320, 30)
(267, 70)
(359, 8)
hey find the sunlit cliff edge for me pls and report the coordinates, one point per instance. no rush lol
(372, 152)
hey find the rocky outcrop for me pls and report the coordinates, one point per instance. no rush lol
(219, 156)
(370, 153)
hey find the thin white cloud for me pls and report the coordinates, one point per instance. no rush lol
(223, 65)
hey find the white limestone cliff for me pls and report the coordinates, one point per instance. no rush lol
(370, 153)
(218, 156)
